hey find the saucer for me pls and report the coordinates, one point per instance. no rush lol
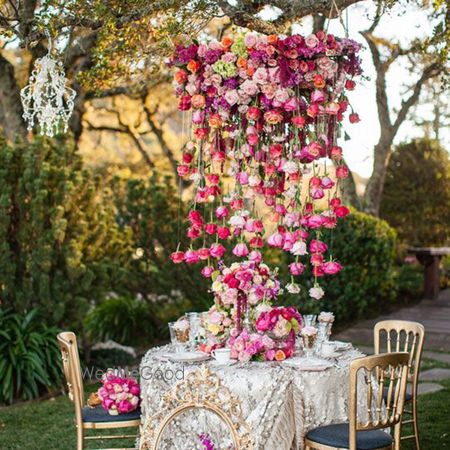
(335, 354)
(215, 363)
(188, 357)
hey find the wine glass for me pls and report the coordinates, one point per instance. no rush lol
(194, 324)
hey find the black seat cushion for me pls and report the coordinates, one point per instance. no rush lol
(336, 435)
(101, 415)
(408, 396)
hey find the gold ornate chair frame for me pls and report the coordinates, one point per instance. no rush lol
(413, 335)
(391, 368)
(72, 370)
(201, 389)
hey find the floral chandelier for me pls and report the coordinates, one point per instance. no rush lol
(46, 99)
(265, 116)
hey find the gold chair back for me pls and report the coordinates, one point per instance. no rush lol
(385, 370)
(72, 370)
(201, 390)
(401, 336)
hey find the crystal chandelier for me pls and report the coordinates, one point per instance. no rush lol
(46, 99)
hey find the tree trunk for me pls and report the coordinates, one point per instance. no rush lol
(11, 121)
(374, 189)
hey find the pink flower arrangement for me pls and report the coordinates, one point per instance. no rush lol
(265, 110)
(119, 395)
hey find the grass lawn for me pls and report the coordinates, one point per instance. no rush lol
(48, 425)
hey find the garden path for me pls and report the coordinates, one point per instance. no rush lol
(434, 315)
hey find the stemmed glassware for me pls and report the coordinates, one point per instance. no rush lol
(179, 334)
(194, 323)
(309, 336)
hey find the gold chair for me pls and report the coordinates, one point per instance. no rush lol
(202, 391)
(404, 336)
(388, 370)
(89, 418)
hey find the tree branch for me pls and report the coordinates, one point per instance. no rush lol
(380, 83)
(158, 132)
(430, 71)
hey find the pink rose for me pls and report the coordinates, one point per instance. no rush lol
(222, 212)
(207, 271)
(316, 221)
(249, 87)
(240, 250)
(191, 257)
(177, 257)
(317, 96)
(223, 232)
(250, 40)
(342, 172)
(232, 97)
(311, 41)
(296, 268)
(327, 183)
(211, 228)
(331, 267)
(260, 76)
(276, 240)
(255, 256)
(291, 104)
(217, 251)
(316, 246)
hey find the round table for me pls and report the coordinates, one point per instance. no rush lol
(280, 403)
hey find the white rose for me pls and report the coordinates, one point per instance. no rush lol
(299, 248)
(290, 167)
(293, 288)
(316, 292)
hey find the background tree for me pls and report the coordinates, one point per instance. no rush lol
(416, 199)
(59, 241)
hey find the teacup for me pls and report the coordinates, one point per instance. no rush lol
(327, 349)
(221, 355)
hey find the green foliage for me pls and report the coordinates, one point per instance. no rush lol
(59, 242)
(365, 246)
(120, 319)
(409, 279)
(29, 356)
(112, 357)
(152, 210)
(416, 198)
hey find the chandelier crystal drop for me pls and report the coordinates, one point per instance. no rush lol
(46, 99)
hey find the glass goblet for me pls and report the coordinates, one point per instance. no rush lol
(194, 324)
(310, 320)
(309, 342)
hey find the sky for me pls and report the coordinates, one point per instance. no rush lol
(402, 25)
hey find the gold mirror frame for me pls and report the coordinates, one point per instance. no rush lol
(200, 389)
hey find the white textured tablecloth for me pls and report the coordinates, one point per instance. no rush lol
(280, 403)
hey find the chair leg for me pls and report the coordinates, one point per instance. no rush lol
(397, 437)
(80, 438)
(416, 423)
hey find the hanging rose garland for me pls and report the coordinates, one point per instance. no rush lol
(265, 115)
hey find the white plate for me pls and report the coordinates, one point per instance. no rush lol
(188, 357)
(340, 345)
(310, 365)
(215, 363)
(333, 355)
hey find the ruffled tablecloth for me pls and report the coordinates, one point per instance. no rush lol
(280, 403)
